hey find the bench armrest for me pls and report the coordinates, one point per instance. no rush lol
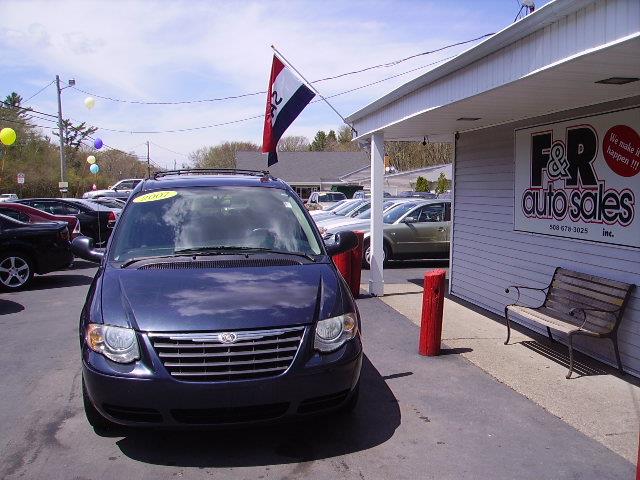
(584, 311)
(518, 287)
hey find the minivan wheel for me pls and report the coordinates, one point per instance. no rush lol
(366, 254)
(94, 417)
(16, 271)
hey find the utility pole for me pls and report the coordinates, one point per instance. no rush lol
(148, 162)
(60, 129)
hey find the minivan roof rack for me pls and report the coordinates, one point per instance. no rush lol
(211, 171)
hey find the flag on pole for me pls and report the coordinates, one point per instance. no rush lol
(286, 98)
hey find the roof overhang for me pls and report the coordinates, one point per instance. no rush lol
(553, 68)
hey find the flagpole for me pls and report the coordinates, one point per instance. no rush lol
(310, 85)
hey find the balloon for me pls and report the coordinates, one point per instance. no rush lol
(89, 102)
(94, 168)
(7, 136)
(91, 159)
(97, 143)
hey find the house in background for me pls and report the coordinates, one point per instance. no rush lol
(397, 182)
(307, 172)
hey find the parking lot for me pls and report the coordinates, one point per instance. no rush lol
(417, 418)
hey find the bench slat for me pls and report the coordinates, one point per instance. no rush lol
(575, 300)
(539, 317)
(594, 279)
(594, 322)
(595, 287)
(568, 289)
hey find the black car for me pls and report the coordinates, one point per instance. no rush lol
(216, 302)
(28, 248)
(96, 221)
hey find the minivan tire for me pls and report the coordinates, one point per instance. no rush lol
(20, 260)
(94, 417)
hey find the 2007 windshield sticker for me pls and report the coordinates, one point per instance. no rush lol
(155, 196)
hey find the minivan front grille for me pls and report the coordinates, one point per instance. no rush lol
(227, 356)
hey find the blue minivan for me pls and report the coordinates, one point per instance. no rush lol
(216, 302)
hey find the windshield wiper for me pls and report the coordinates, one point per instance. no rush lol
(131, 261)
(221, 249)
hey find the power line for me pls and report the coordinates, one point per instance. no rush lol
(251, 94)
(168, 149)
(41, 90)
(261, 115)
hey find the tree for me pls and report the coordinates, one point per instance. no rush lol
(344, 135)
(442, 185)
(293, 143)
(332, 142)
(74, 136)
(422, 185)
(319, 142)
(220, 156)
(411, 155)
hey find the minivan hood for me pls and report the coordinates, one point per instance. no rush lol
(201, 299)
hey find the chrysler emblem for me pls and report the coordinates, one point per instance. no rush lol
(227, 337)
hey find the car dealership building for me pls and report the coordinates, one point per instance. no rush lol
(545, 119)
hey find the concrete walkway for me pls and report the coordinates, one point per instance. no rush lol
(598, 403)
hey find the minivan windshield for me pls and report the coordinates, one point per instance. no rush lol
(168, 222)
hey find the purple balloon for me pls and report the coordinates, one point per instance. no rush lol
(97, 143)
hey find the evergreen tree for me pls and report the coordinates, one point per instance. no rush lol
(442, 184)
(319, 143)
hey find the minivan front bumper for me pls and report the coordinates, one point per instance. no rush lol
(150, 396)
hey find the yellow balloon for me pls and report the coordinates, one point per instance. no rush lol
(7, 136)
(91, 159)
(89, 102)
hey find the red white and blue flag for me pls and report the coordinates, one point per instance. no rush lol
(287, 97)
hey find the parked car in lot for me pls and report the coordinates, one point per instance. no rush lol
(322, 200)
(110, 202)
(359, 216)
(27, 214)
(344, 208)
(216, 302)
(122, 189)
(96, 221)
(412, 229)
(29, 248)
(8, 197)
(315, 213)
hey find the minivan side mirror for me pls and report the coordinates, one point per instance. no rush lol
(410, 220)
(344, 241)
(82, 247)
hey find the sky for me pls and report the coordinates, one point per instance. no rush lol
(159, 51)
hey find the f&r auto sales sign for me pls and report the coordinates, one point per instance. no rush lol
(580, 178)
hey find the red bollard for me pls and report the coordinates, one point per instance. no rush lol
(432, 306)
(638, 464)
(356, 265)
(343, 263)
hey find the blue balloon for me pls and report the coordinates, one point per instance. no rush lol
(97, 143)
(94, 168)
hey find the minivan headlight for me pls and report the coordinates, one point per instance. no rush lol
(116, 343)
(332, 333)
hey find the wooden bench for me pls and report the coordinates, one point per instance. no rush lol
(577, 304)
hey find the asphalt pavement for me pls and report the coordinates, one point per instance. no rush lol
(418, 418)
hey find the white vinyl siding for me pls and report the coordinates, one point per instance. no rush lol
(488, 255)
